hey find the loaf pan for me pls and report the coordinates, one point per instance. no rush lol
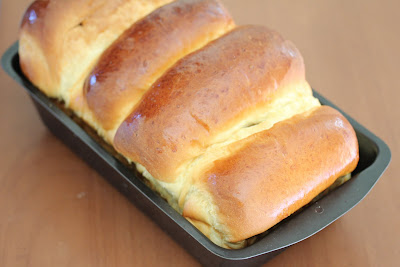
(374, 158)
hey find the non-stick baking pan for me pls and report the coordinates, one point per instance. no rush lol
(374, 158)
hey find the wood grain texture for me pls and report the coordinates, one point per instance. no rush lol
(56, 211)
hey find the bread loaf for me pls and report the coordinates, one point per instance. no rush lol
(219, 119)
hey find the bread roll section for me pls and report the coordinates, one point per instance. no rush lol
(245, 188)
(60, 41)
(128, 68)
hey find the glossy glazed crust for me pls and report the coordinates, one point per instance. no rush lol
(273, 173)
(60, 40)
(205, 95)
(127, 69)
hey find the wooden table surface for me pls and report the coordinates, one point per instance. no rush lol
(57, 211)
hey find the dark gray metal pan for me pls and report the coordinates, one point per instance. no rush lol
(374, 158)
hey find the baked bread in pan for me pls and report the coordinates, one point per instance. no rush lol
(220, 119)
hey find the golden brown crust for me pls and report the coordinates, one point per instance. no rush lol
(35, 12)
(273, 173)
(206, 94)
(145, 51)
(61, 40)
